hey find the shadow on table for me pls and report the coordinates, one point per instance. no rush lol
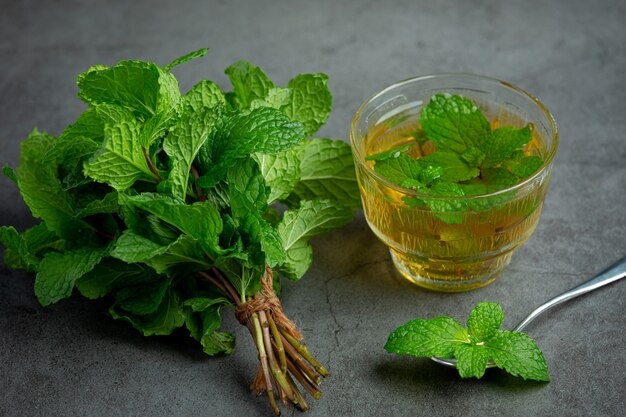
(412, 374)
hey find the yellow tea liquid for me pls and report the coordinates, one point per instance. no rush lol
(439, 255)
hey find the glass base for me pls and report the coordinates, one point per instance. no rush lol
(450, 276)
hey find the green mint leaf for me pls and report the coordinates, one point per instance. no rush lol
(473, 156)
(131, 247)
(39, 238)
(525, 166)
(183, 144)
(199, 304)
(121, 162)
(399, 169)
(201, 221)
(453, 167)
(141, 87)
(247, 190)
(88, 125)
(499, 144)
(185, 251)
(15, 244)
(58, 272)
(449, 210)
(264, 243)
(485, 320)
(249, 83)
(276, 98)
(9, 173)
(281, 172)
(205, 94)
(144, 297)
(310, 101)
(108, 204)
(497, 179)
(471, 360)
(168, 316)
(203, 325)
(428, 337)
(101, 280)
(518, 354)
(454, 123)
(390, 153)
(188, 57)
(42, 191)
(264, 130)
(327, 172)
(312, 218)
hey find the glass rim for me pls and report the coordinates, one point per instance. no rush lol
(546, 163)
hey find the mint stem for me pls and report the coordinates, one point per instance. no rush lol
(151, 165)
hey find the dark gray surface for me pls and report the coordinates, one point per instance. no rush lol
(72, 360)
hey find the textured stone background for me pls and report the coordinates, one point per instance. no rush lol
(71, 360)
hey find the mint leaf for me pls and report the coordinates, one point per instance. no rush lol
(15, 243)
(185, 251)
(201, 221)
(247, 190)
(310, 101)
(203, 323)
(485, 320)
(281, 172)
(9, 173)
(313, 217)
(276, 98)
(390, 153)
(264, 130)
(514, 352)
(183, 144)
(473, 156)
(260, 232)
(58, 272)
(107, 274)
(89, 125)
(108, 204)
(449, 210)
(42, 191)
(121, 162)
(249, 83)
(453, 167)
(518, 354)
(141, 87)
(454, 123)
(131, 247)
(524, 166)
(399, 169)
(188, 57)
(427, 337)
(327, 172)
(168, 316)
(144, 297)
(205, 94)
(471, 360)
(499, 144)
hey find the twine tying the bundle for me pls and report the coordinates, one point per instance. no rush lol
(266, 300)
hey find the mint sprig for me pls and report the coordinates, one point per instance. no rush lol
(470, 158)
(474, 347)
(162, 203)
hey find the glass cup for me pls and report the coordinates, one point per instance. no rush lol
(461, 250)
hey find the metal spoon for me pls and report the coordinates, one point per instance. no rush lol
(611, 274)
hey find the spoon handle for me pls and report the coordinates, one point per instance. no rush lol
(612, 273)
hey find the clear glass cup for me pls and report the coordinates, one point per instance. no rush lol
(474, 249)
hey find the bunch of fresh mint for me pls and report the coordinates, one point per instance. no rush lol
(469, 159)
(164, 203)
(474, 347)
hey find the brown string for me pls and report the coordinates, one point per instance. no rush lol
(266, 300)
